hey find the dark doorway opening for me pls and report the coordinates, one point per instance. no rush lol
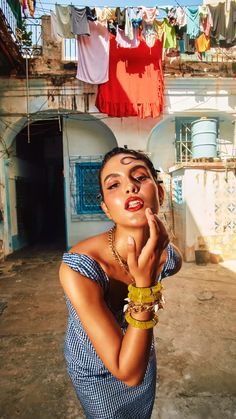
(40, 184)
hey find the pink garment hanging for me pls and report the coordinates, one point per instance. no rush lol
(181, 18)
(136, 85)
(149, 14)
(93, 54)
(124, 42)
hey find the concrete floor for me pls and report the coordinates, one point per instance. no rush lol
(195, 339)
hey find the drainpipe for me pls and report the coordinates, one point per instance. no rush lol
(27, 96)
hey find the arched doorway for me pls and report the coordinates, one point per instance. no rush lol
(36, 184)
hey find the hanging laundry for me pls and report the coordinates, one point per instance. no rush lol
(93, 54)
(202, 43)
(24, 7)
(203, 10)
(120, 17)
(231, 28)
(189, 44)
(91, 14)
(181, 18)
(181, 46)
(205, 20)
(31, 7)
(159, 28)
(135, 86)
(135, 16)
(171, 15)
(79, 21)
(105, 14)
(55, 37)
(129, 30)
(218, 30)
(112, 27)
(192, 22)
(169, 34)
(63, 21)
(150, 14)
(149, 34)
(16, 7)
(124, 42)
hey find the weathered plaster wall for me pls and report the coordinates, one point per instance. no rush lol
(83, 136)
(202, 97)
(161, 143)
(205, 214)
(57, 95)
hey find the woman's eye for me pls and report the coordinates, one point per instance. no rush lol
(113, 186)
(141, 178)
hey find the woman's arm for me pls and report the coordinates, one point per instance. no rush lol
(126, 357)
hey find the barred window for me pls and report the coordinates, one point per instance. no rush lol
(87, 188)
(183, 141)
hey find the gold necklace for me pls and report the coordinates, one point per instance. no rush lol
(111, 240)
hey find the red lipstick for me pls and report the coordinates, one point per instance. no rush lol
(134, 203)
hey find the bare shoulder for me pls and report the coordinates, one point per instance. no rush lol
(95, 247)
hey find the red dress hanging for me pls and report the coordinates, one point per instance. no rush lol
(135, 86)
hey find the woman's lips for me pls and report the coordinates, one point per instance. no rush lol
(133, 204)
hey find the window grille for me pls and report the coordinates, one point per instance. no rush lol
(84, 188)
(183, 141)
(177, 190)
(87, 188)
(69, 50)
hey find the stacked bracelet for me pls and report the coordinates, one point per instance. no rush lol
(140, 307)
(145, 295)
(140, 300)
(141, 324)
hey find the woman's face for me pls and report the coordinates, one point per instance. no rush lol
(128, 189)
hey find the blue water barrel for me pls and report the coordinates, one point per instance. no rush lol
(204, 138)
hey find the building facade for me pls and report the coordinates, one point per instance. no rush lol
(53, 138)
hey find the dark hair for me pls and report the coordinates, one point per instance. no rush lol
(137, 155)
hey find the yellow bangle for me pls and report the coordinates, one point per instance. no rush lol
(145, 295)
(141, 324)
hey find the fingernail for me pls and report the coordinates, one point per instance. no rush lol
(130, 240)
(149, 210)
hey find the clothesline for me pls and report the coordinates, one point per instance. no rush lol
(114, 6)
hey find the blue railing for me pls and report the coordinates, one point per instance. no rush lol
(28, 37)
(34, 29)
(10, 19)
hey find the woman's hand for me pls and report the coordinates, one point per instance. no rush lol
(145, 266)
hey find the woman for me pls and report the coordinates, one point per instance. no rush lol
(110, 354)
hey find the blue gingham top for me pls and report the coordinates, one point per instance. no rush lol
(103, 396)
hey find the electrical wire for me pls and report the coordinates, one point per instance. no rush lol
(48, 3)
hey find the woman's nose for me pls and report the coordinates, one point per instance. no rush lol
(132, 187)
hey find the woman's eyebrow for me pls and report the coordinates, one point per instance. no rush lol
(111, 175)
(138, 166)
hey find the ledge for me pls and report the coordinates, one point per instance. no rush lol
(205, 165)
